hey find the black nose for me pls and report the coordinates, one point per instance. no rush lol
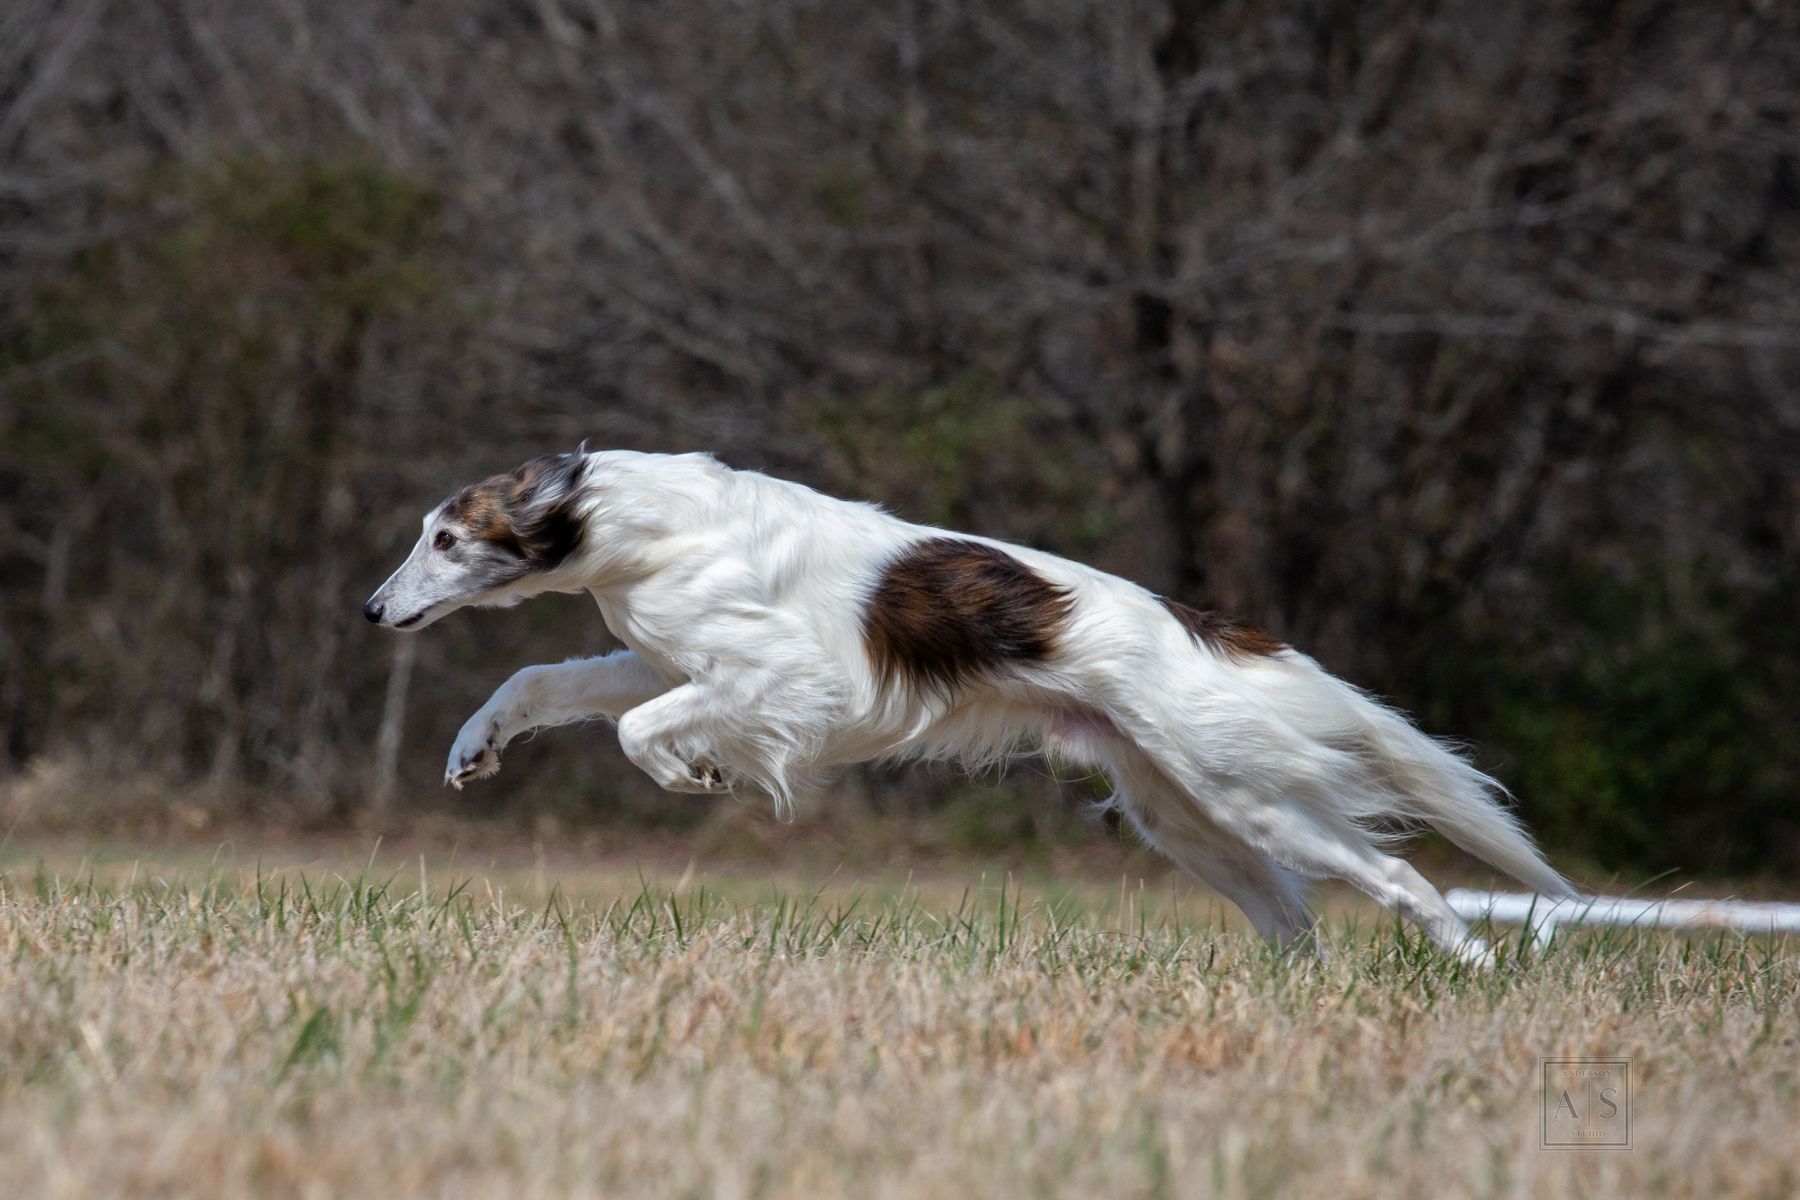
(372, 611)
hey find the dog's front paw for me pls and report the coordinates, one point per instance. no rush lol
(676, 767)
(485, 762)
(672, 772)
(700, 778)
(476, 754)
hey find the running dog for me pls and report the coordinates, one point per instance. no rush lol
(775, 632)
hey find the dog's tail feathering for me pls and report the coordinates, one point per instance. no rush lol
(1387, 769)
(1434, 783)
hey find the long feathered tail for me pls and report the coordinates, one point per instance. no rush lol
(1426, 780)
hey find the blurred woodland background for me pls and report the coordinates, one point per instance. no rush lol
(1458, 343)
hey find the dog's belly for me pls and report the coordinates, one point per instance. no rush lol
(1080, 731)
(987, 730)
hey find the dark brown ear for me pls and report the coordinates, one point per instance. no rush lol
(545, 526)
(530, 514)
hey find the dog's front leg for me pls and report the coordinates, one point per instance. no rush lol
(542, 696)
(672, 738)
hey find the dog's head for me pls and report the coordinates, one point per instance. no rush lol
(494, 542)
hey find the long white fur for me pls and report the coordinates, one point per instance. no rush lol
(741, 598)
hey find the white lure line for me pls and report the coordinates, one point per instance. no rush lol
(1544, 916)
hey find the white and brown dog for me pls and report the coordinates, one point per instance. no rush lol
(775, 631)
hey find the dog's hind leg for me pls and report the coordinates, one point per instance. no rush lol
(1394, 882)
(1297, 837)
(1316, 839)
(1270, 895)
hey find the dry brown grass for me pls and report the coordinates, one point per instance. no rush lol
(307, 1033)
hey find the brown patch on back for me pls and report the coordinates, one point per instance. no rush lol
(947, 610)
(507, 511)
(1222, 634)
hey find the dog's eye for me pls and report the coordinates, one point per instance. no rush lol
(444, 539)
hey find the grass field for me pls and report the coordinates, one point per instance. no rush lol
(224, 1031)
